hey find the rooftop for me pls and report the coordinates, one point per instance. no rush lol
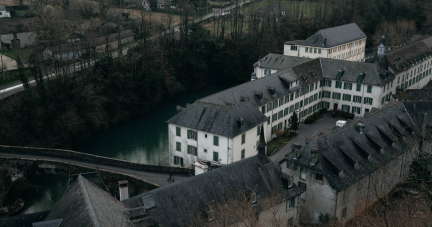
(280, 62)
(335, 36)
(180, 202)
(219, 119)
(346, 155)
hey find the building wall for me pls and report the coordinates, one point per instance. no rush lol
(4, 13)
(26, 38)
(319, 198)
(204, 142)
(250, 145)
(113, 45)
(260, 72)
(279, 212)
(352, 51)
(375, 94)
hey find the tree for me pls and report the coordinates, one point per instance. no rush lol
(294, 122)
(21, 73)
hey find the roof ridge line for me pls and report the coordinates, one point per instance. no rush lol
(87, 200)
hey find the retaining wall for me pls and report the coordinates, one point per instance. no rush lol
(78, 156)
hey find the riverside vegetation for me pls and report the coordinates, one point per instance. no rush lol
(63, 112)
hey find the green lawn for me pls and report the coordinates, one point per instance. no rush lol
(277, 143)
(11, 77)
(23, 53)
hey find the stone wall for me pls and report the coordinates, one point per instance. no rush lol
(95, 159)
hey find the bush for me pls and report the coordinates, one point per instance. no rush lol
(315, 116)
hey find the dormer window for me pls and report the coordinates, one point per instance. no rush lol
(259, 95)
(240, 121)
(272, 90)
(319, 177)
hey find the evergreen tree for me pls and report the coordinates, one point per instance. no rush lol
(294, 122)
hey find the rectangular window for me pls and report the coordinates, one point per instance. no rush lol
(269, 107)
(286, 111)
(291, 108)
(297, 105)
(368, 100)
(263, 109)
(178, 131)
(319, 177)
(302, 186)
(192, 134)
(280, 114)
(358, 87)
(306, 49)
(275, 104)
(243, 138)
(326, 94)
(215, 156)
(327, 83)
(216, 140)
(336, 95)
(178, 160)
(281, 101)
(345, 108)
(338, 84)
(357, 99)
(319, 51)
(346, 97)
(369, 89)
(356, 110)
(301, 104)
(306, 101)
(303, 173)
(267, 72)
(274, 117)
(178, 146)
(294, 48)
(192, 150)
(348, 86)
(344, 212)
(243, 154)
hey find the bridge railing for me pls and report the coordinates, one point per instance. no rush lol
(95, 159)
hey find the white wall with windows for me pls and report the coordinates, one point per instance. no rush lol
(185, 148)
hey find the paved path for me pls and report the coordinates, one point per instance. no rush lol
(325, 124)
(153, 177)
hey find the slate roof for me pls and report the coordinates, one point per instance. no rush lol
(417, 112)
(2, 7)
(280, 62)
(93, 177)
(177, 203)
(423, 94)
(24, 220)
(374, 74)
(340, 151)
(409, 55)
(85, 204)
(280, 81)
(335, 36)
(219, 119)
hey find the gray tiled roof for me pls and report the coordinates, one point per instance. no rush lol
(276, 80)
(180, 202)
(2, 7)
(219, 119)
(280, 62)
(85, 204)
(408, 55)
(417, 112)
(424, 94)
(374, 73)
(335, 36)
(340, 149)
(428, 41)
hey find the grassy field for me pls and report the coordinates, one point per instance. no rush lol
(11, 77)
(23, 53)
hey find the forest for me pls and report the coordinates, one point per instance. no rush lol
(65, 111)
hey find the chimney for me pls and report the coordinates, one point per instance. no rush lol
(124, 189)
(424, 125)
(262, 144)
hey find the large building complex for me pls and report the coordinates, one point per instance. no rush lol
(346, 42)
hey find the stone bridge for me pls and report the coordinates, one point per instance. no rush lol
(154, 174)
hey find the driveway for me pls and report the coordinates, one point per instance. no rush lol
(325, 124)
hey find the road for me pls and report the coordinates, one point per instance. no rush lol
(153, 177)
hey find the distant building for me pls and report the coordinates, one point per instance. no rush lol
(345, 42)
(76, 46)
(273, 63)
(345, 171)
(216, 198)
(3, 12)
(17, 33)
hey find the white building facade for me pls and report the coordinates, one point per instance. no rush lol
(346, 42)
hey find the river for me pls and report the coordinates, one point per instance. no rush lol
(145, 139)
